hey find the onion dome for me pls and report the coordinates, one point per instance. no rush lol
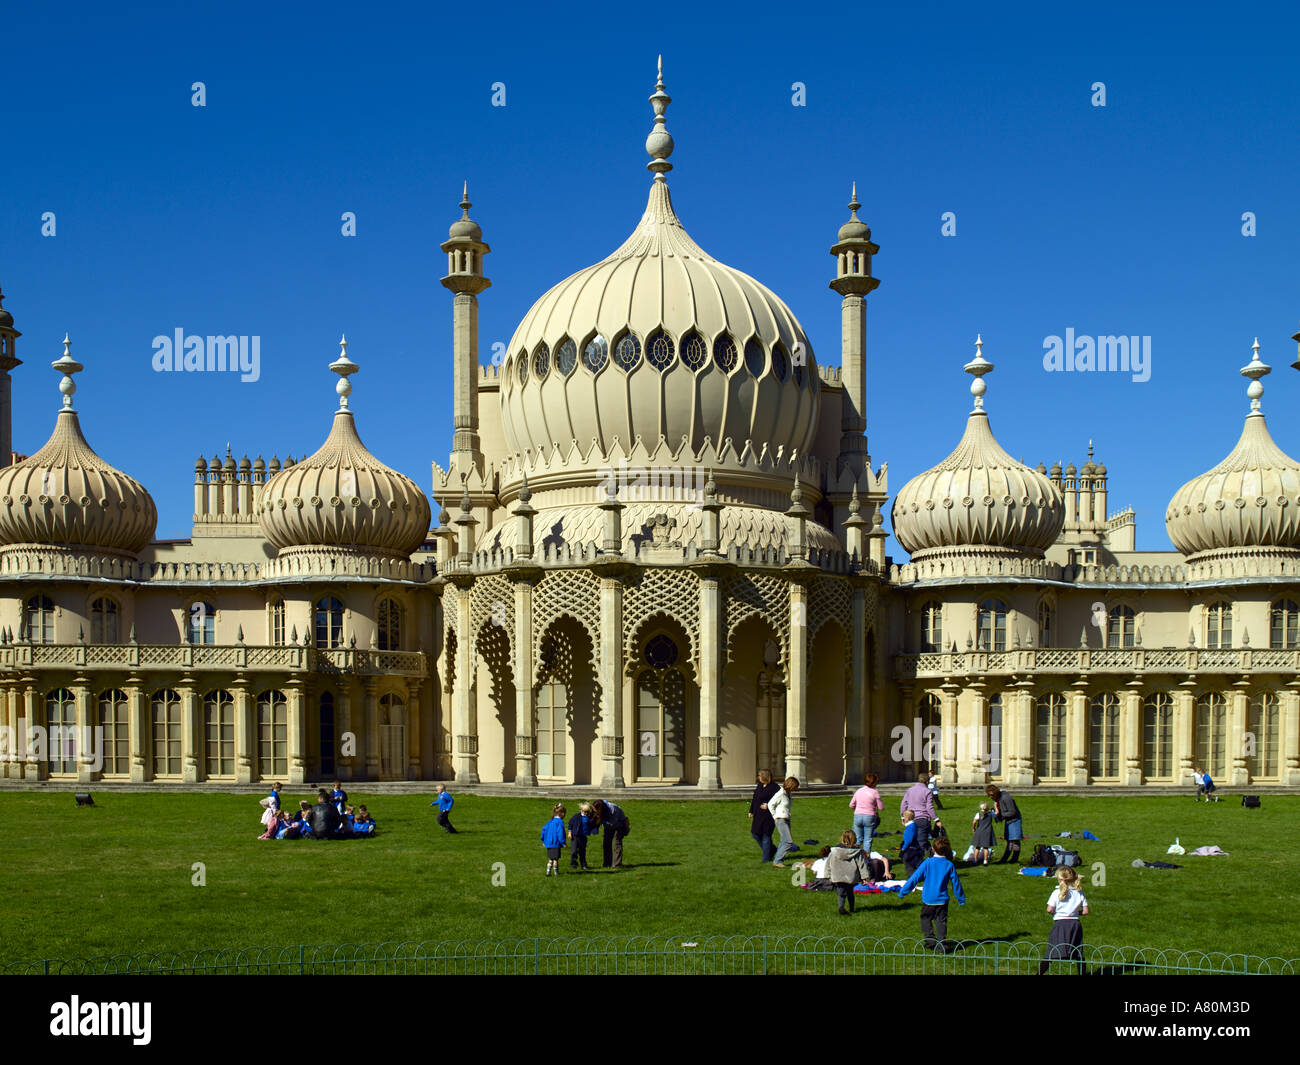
(1249, 500)
(1070, 470)
(855, 228)
(464, 226)
(979, 500)
(66, 496)
(659, 339)
(342, 498)
(6, 319)
(1056, 470)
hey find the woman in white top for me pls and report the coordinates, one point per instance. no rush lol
(779, 807)
(1065, 905)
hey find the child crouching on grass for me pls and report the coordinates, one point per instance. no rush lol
(553, 839)
(934, 874)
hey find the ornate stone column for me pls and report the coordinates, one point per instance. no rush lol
(370, 686)
(796, 699)
(245, 734)
(414, 729)
(297, 737)
(1184, 752)
(36, 754)
(611, 677)
(1077, 734)
(1290, 707)
(1018, 743)
(464, 725)
(345, 727)
(1130, 751)
(1239, 772)
(948, 732)
(90, 742)
(190, 725)
(855, 729)
(972, 746)
(711, 652)
(139, 731)
(522, 645)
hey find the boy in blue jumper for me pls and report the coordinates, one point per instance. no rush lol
(934, 874)
(444, 803)
(581, 825)
(553, 839)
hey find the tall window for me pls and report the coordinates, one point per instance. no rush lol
(219, 733)
(1212, 734)
(1284, 625)
(61, 731)
(992, 625)
(1262, 733)
(1120, 626)
(272, 735)
(552, 730)
(166, 716)
(329, 623)
(661, 714)
(1158, 736)
(276, 608)
(392, 736)
(390, 625)
(115, 733)
(325, 704)
(1103, 736)
(994, 744)
(1050, 754)
(932, 626)
(930, 742)
(1218, 626)
(203, 623)
(1046, 623)
(103, 620)
(40, 619)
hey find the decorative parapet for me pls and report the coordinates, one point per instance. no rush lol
(1125, 662)
(946, 569)
(25, 657)
(325, 565)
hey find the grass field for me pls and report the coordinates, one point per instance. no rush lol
(118, 878)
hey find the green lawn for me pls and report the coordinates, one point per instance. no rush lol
(117, 878)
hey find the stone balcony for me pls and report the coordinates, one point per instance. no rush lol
(132, 657)
(1125, 662)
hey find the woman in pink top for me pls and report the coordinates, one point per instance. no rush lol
(866, 807)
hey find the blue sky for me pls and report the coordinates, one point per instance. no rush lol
(1123, 219)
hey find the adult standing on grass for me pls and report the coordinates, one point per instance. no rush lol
(616, 825)
(762, 824)
(779, 807)
(866, 805)
(918, 799)
(1006, 811)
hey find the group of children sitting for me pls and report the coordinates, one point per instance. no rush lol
(330, 818)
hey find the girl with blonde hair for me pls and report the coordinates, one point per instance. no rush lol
(1065, 905)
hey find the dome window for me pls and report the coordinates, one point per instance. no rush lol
(724, 353)
(595, 353)
(566, 356)
(627, 351)
(754, 358)
(780, 363)
(541, 361)
(659, 350)
(695, 353)
(521, 367)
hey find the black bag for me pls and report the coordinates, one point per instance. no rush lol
(1250, 801)
(1043, 856)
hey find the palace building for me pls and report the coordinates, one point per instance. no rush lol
(659, 560)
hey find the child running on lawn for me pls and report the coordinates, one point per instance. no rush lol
(934, 874)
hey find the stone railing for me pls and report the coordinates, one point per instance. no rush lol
(647, 553)
(26, 657)
(1110, 661)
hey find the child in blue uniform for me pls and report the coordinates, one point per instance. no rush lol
(553, 839)
(444, 803)
(339, 797)
(934, 874)
(581, 825)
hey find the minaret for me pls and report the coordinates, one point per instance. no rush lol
(853, 280)
(465, 250)
(8, 361)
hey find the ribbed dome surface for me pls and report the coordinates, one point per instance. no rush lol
(979, 496)
(1250, 499)
(344, 497)
(66, 495)
(715, 352)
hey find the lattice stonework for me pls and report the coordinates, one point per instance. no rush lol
(573, 593)
(671, 592)
(830, 599)
(492, 598)
(757, 595)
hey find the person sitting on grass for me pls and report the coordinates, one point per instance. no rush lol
(847, 866)
(325, 820)
(934, 874)
(276, 823)
(362, 823)
(818, 864)
(553, 839)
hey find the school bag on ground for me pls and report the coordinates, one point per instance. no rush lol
(1064, 857)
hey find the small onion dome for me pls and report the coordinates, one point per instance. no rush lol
(65, 495)
(465, 226)
(1088, 469)
(1249, 500)
(342, 496)
(979, 497)
(1056, 469)
(1101, 469)
(854, 228)
(6, 319)
(200, 465)
(1070, 470)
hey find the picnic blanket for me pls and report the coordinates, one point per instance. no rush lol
(1205, 852)
(1138, 863)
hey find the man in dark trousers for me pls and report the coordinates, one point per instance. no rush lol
(616, 826)
(325, 820)
(761, 824)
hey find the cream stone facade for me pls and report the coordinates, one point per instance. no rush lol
(660, 560)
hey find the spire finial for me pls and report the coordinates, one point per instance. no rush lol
(343, 366)
(977, 368)
(465, 205)
(660, 142)
(1255, 369)
(853, 203)
(67, 366)
(1089, 450)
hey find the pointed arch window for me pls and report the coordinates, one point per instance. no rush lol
(219, 733)
(780, 362)
(724, 353)
(1212, 734)
(166, 719)
(627, 352)
(755, 360)
(695, 353)
(61, 731)
(566, 356)
(1046, 623)
(595, 353)
(1103, 736)
(541, 361)
(521, 367)
(659, 350)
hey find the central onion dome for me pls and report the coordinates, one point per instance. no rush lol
(659, 339)
(979, 500)
(1250, 500)
(66, 496)
(342, 498)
